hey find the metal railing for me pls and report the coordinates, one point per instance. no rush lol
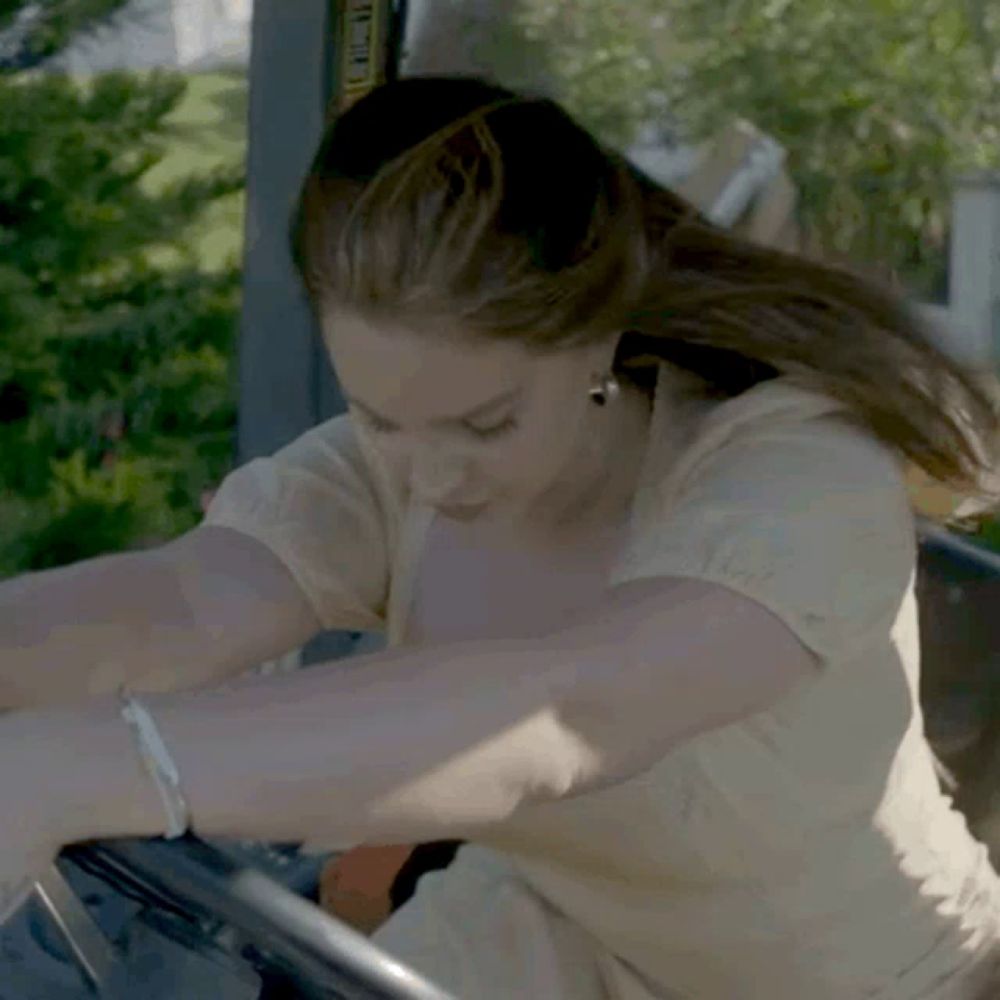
(230, 910)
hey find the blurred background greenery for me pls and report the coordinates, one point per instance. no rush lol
(121, 205)
(880, 104)
(121, 208)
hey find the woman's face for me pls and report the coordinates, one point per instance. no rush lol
(472, 422)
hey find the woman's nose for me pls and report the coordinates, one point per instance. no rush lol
(438, 478)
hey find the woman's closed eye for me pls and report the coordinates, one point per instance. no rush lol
(492, 432)
(497, 430)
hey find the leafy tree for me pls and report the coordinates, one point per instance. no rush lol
(601, 58)
(117, 402)
(880, 104)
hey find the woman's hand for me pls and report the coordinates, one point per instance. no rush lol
(27, 847)
(34, 816)
(66, 775)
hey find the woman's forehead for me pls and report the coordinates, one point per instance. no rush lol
(362, 347)
(357, 340)
(393, 370)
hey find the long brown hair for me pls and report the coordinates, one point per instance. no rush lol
(452, 200)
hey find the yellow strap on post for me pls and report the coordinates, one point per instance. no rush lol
(363, 49)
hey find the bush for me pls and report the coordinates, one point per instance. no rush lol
(117, 401)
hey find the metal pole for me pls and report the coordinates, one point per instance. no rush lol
(974, 295)
(303, 53)
(279, 351)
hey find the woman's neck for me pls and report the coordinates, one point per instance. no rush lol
(614, 451)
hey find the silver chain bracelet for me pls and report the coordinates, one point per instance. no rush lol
(158, 763)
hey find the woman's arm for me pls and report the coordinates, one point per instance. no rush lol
(397, 746)
(438, 740)
(202, 608)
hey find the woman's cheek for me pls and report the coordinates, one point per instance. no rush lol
(526, 471)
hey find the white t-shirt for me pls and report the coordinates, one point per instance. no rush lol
(805, 852)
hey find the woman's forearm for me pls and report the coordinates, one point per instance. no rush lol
(435, 741)
(416, 743)
(80, 631)
(62, 629)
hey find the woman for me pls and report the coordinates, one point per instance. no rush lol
(627, 496)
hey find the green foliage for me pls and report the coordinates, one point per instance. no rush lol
(600, 58)
(880, 104)
(117, 401)
(50, 25)
(988, 534)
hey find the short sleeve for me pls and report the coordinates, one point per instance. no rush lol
(315, 505)
(809, 518)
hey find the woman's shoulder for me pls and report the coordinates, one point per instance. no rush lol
(781, 496)
(776, 433)
(768, 406)
(334, 451)
(328, 512)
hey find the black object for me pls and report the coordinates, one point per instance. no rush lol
(424, 858)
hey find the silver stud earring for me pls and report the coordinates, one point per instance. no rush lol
(605, 389)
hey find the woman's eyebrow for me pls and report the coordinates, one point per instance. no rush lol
(474, 412)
